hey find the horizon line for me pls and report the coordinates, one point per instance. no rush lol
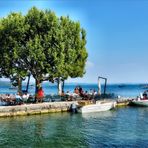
(87, 82)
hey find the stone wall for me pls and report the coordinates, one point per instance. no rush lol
(30, 109)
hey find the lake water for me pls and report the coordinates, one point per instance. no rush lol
(121, 127)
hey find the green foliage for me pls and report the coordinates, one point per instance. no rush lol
(42, 44)
(11, 37)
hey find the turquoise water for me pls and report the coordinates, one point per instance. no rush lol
(123, 127)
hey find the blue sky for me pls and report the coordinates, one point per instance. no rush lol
(117, 35)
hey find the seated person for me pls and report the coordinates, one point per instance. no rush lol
(90, 92)
(94, 92)
(62, 94)
(8, 97)
(25, 97)
(76, 91)
(68, 96)
(145, 96)
(18, 98)
(82, 93)
(68, 93)
(80, 90)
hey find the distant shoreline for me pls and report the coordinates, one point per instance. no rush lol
(82, 83)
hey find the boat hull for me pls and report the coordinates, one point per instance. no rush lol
(98, 107)
(140, 103)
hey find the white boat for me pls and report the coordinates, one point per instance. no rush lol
(99, 106)
(142, 100)
(139, 102)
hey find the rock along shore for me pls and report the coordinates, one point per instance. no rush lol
(33, 109)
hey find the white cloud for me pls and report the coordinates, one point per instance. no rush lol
(89, 64)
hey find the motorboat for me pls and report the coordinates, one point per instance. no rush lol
(142, 100)
(121, 86)
(101, 105)
(139, 102)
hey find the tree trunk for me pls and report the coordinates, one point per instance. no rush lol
(63, 84)
(37, 86)
(27, 87)
(20, 85)
(59, 81)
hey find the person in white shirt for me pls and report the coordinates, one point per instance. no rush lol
(25, 97)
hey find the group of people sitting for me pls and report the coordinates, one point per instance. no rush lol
(25, 97)
(18, 98)
(80, 93)
(85, 94)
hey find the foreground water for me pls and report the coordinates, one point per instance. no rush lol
(123, 127)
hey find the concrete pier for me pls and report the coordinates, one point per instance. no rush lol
(48, 107)
(31, 109)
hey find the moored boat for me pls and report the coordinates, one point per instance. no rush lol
(121, 86)
(139, 102)
(142, 100)
(102, 105)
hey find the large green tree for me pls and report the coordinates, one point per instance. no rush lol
(40, 43)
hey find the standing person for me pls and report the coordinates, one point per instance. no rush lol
(80, 90)
(40, 95)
